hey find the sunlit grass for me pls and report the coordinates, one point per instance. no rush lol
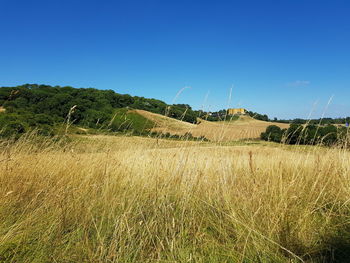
(134, 199)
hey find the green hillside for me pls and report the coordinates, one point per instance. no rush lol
(126, 120)
(44, 107)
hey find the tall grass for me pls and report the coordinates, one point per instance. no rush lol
(127, 199)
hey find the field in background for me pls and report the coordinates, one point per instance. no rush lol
(136, 199)
(244, 127)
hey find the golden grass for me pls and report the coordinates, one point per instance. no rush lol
(165, 124)
(2, 109)
(133, 199)
(243, 128)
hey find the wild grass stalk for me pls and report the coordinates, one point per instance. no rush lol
(131, 199)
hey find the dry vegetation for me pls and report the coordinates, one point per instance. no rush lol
(243, 128)
(133, 199)
(165, 124)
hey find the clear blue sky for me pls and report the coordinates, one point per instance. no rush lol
(283, 58)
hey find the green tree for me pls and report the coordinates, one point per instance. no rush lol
(272, 133)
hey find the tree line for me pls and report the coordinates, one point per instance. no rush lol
(43, 106)
(307, 134)
(319, 121)
(222, 115)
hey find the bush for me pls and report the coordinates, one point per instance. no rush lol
(45, 130)
(13, 128)
(293, 135)
(273, 133)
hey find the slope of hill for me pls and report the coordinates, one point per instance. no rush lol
(129, 120)
(244, 127)
(165, 124)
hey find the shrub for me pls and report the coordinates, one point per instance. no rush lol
(272, 133)
(13, 128)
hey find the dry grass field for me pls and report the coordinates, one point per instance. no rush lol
(243, 128)
(134, 199)
(166, 122)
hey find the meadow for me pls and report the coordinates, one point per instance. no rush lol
(137, 199)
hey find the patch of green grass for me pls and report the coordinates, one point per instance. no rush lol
(126, 120)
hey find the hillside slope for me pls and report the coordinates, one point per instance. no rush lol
(165, 124)
(244, 127)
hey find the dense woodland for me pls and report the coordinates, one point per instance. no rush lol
(42, 107)
(307, 134)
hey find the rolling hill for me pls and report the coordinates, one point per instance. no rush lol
(244, 127)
